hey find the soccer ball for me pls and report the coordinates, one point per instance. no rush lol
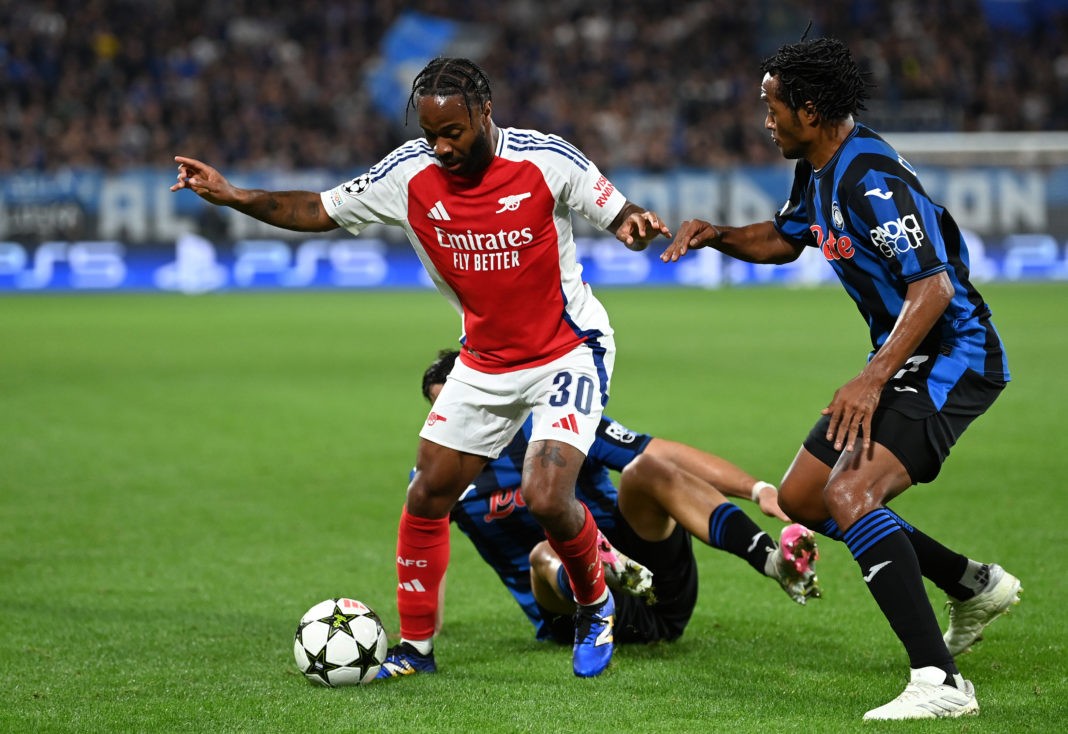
(340, 642)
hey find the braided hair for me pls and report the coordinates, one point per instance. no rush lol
(820, 71)
(448, 76)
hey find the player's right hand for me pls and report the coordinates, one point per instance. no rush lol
(768, 501)
(693, 234)
(851, 410)
(203, 180)
(640, 228)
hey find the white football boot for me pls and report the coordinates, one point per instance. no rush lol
(927, 696)
(968, 618)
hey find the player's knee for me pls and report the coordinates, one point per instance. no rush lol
(645, 473)
(849, 500)
(802, 504)
(544, 564)
(547, 503)
(541, 558)
(790, 503)
(431, 499)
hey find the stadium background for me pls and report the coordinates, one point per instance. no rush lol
(181, 477)
(98, 96)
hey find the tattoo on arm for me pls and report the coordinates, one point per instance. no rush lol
(295, 210)
(263, 205)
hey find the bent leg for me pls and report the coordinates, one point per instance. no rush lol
(724, 476)
(859, 486)
(952, 572)
(423, 534)
(544, 573)
(549, 474)
(801, 490)
(653, 493)
(671, 481)
(656, 493)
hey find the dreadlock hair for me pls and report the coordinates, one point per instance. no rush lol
(820, 71)
(438, 370)
(447, 76)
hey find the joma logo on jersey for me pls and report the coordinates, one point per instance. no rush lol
(477, 241)
(898, 236)
(833, 248)
(606, 188)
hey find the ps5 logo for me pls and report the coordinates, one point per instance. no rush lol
(91, 265)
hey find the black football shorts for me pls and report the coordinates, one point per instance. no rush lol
(919, 437)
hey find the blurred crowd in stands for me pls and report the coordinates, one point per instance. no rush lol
(260, 84)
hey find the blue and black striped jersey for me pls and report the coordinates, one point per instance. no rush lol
(874, 223)
(492, 514)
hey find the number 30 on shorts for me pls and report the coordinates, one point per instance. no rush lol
(573, 391)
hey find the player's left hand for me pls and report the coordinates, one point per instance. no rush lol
(851, 411)
(640, 228)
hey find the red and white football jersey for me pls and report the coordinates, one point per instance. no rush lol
(502, 250)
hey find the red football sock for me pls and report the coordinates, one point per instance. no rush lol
(583, 564)
(422, 557)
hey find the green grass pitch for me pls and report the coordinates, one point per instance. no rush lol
(182, 477)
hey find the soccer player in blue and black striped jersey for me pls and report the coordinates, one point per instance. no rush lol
(936, 363)
(668, 492)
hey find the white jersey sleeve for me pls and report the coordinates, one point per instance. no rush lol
(578, 182)
(379, 196)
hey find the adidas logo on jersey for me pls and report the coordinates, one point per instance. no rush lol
(568, 423)
(438, 212)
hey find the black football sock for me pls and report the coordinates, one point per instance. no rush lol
(891, 570)
(829, 528)
(950, 571)
(732, 530)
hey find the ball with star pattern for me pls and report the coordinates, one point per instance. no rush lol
(340, 642)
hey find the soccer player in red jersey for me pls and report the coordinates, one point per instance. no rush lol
(488, 211)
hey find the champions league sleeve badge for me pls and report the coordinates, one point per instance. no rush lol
(358, 185)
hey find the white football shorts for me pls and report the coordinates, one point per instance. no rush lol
(479, 413)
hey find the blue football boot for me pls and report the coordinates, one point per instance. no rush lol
(593, 638)
(403, 659)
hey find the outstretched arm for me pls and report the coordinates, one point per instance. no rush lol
(757, 243)
(301, 211)
(636, 227)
